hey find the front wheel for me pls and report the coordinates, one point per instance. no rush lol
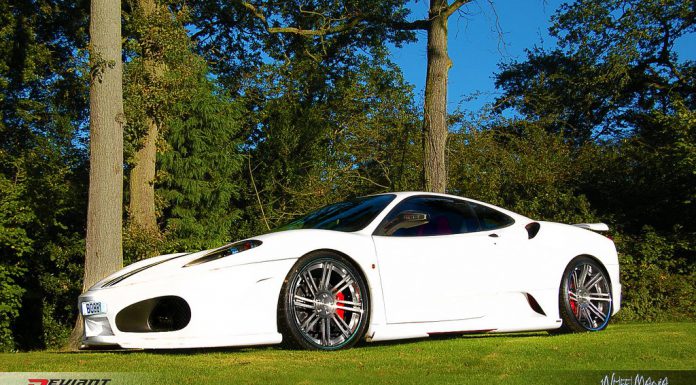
(324, 304)
(585, 296)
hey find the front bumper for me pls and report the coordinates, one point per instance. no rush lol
(229, 307)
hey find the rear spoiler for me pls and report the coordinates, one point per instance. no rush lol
(593, 226)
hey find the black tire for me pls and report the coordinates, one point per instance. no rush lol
(585, 298)
(341, 301)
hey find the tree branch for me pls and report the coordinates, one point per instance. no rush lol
(256, 12)
(317, 32)
(452, 8)
(411, 25)
(256, 191)
(350, 23)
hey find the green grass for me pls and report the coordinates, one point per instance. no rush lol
(513, 358)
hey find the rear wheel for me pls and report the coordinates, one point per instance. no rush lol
(324, 304)
(585, 296)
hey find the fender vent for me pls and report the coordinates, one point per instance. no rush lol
(532, 229)
(534, 304)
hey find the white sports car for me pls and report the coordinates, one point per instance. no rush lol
(381, 267)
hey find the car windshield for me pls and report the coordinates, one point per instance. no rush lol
(348, 216)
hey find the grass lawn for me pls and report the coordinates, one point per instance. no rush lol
(523, 358)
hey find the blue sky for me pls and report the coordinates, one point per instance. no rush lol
(476, 50)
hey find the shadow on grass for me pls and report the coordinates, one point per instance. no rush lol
(252, 349)
(174, 352)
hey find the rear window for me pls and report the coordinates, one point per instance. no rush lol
(490, 219)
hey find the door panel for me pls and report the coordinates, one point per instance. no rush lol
(436, 278)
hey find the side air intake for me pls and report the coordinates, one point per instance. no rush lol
(534, 304)
(532, 229)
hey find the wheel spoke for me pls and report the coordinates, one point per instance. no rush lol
(595, 280)
(574, 277)
(304, 302)
(309, 322)
(355, 309)
(580, 314)
(309, 280)
(592, 308)
(583, 275)
(304, 299)
(347, 280)
(325, 275)
(303, 305)
(344, 302)
(342, 326)
(586, 314)
(572, 295)
(325, 331)
(345, 285)
(604, 299)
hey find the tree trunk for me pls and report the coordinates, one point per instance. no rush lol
(142, 178)
(435, 110)
(104, 254)
(142, 212)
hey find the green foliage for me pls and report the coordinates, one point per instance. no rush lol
(10, 304)
(139, 244)
(649, 178)
(199, 161)
(323, 123)
(43, 100)
(659, 282)
(530, 171)
(315, 139)
(617, 90)
(567, 94)
(41, 245)
(236, 39)
(160, 56)
(624, 32)
(199, 178)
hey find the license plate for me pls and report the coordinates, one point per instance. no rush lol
(93, 307)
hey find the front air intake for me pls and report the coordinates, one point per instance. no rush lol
(161, 314)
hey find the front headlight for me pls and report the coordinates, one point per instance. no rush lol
(225, 251)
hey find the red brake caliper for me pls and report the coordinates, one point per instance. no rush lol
(573, 303)
(340, 312)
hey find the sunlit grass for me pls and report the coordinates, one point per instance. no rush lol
(513, 358)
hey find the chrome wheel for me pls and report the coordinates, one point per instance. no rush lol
(326, 304)
(586, 296)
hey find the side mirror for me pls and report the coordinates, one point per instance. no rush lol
(406, 220)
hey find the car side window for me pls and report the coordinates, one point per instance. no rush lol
(428, 216)
(490, 219)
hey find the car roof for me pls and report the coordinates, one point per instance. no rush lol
(401, 195)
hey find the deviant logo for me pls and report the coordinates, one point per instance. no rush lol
(69, 381)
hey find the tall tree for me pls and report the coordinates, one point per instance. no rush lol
(152, 20)
(435, 128)
(104, 253)
(355, 20)
(178, 117)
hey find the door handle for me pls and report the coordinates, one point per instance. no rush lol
(494, 235)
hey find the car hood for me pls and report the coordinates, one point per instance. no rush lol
(271, 247)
